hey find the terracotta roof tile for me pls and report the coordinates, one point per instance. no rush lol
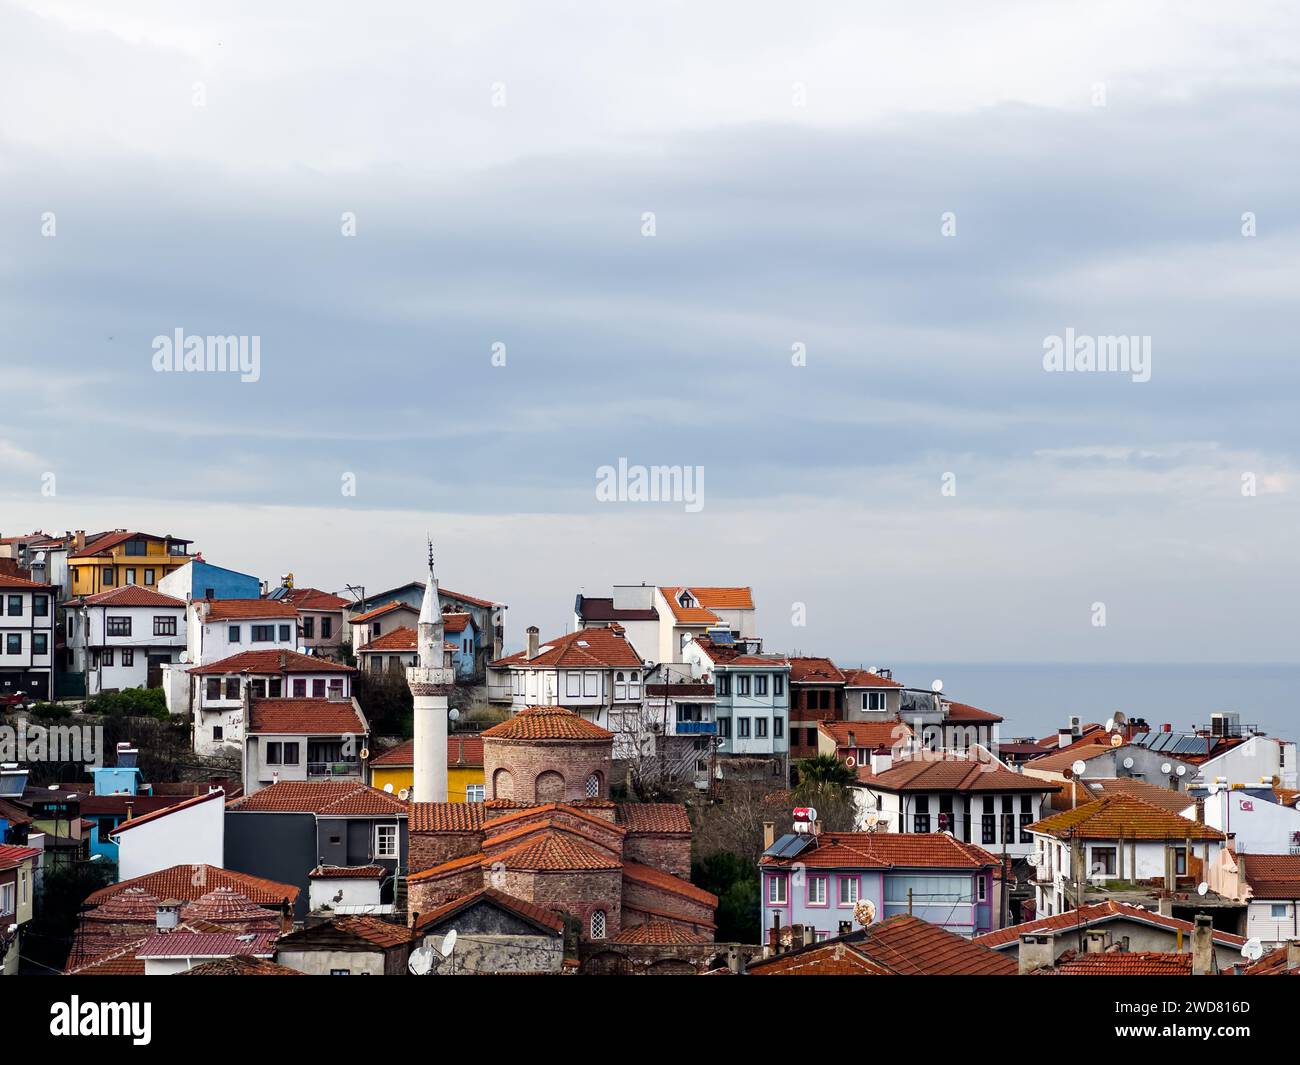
(1122, 815)
(241, 609)
(598, 648)
(659, 932)
(381, 933)
(814, 671)
(326, 798)
(189, 882)
(22, 584)
(453, 622)
(547, 723)
(448, 816)
(228, 905)
(554, 850)
(380, 611)
(654, 818)
(1175, 802)
(271, 662)
(864, 678)
(239, 966)
(300, 716)
(657, 878)
(315, 599)
(463, 749)
(952, 774)
(348, 872)
(888, 850)
(132, 595)
(402, 638)
(531, 912)
(873, 734)
(1099, 913)
(12, 856)
(1140, 963)
(182, 944)
(1272, 876)
(964, 712)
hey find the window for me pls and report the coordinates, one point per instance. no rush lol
(475, 792)
(742, 685)
(385, 841)
(7, 896)
(263, 633)
(724, 683)
(309, 628)
(41, 643)
(108, 575)
(285, 634)
(41, 606)
(760, 685)
(1025, 821)
(776, 890)
(259, 687)
(1103, 861)
(274, 752)
(376, 666)
(336, 687)
(15, 606)
(816, 891)
(1180, 861)
(778, 685)
(14, 643)
(277, 687)
(598, 924)
(130, 576)
(318, 688)
(118, 626)
(760, 727)
(981, 889)
(326, 628)
(1277, 911)
(848, 890)
(213, 688)
(135, 547)
(128, 656)
(742, 727)
(873, 700)
(218, 732)
(778, 727)
(375, 629)
(592, 787)
(164, 626)
(232, 687)
(149, 577)
(724, 728)
(291, 753)
(988, 828)
(232, 633)
(300, 684)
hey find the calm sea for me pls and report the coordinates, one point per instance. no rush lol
(1037, 699)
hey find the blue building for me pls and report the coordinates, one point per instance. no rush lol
(198, 579)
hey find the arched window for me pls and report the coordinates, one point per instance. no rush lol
(598, 925)
(549, 787)
(592, 787)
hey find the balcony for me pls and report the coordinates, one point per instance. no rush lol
(695, 728)
(332, 770)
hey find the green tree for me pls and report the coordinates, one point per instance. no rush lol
(823, 769)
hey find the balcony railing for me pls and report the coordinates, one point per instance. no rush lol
(696, 728)
(340, 767)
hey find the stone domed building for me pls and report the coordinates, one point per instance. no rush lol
(547, 754)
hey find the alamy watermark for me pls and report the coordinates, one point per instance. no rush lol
(53, 743)
(1081, 353)
(179, 353)
(629, 483)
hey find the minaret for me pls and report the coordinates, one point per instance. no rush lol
(430, 683)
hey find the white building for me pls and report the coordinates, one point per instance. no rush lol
(121, 638)
(1258, 823)
(219, 628)
(26, 638)
(751, 695)
(660, 620)
(192, 832)
(222, 691)
(397, 614)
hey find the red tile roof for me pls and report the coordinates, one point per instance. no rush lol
(814, 671)
(547, 723)
(183, 944)
(107, 541)
(452, 622)
(864, 678)
(398, 639)
(553, 850)
(873, 734)
(503, 822)
(952, 774)
(644, 818)
(659, 932)
(381, 933)
(465, 598)
(1271, 876)
(132, 595)
(271, 662)
(11, 857)
(300, 716)
(156, 815)
(189, 882)
(1175, 802)
(590, 648)
(10, 581)
(239, 609)
(1099, 913)
(326, 798)
(1060, 759)
(1142, 963)
(380, 611)
(229, 905)
(120, 961)
(315, 599)
(447, 816)
(1271, 964)
(1122, 815)
(709, 600)
(463, 749)
(898, 946)
(963, 712)
(657, 878)
(888, 850)
(347, 872)
(534, 914)
(722, 655)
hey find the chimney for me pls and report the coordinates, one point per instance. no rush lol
(807, 935)
(1036, 952)
(881, 761)
(1203, 946)
(1094, 941)
(846, 927)
(1165, 906)
(533, 641)
(769, 834)
(129, 807)
(79, 541)
(167, 915)
(1064, 737)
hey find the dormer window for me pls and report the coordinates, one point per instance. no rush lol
(686, 600)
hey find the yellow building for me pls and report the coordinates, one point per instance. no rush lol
(464, 769)
(116, 559)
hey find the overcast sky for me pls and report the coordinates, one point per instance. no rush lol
(189, 166)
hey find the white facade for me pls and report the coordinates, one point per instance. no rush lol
(1256, 759)
(1260, 824)
(26, 638)
(211, 640)
(221, 708)
(193, 835)
(1273, 921)
(751, 700)
(360, 894)
(115, 646)
(993, 820)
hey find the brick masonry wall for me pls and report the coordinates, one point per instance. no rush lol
(511, 768)
(672, 854)
(578, 893)
(651, 903)
(425, 895)
(425, 850)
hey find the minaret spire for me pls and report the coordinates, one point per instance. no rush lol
(431, 683)
(431, 630)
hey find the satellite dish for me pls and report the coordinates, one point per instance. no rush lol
(1128, 763)
(1117, 740)
(1079, 767)
(388, 788)
(453, 714)
(421, 961)
(365, 754)
(1182, 770)
(1252, 950)
(448, 944)
(937, 686)
(1110, 724)
(404, 794)
(1165, 767)
(1202, 888)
